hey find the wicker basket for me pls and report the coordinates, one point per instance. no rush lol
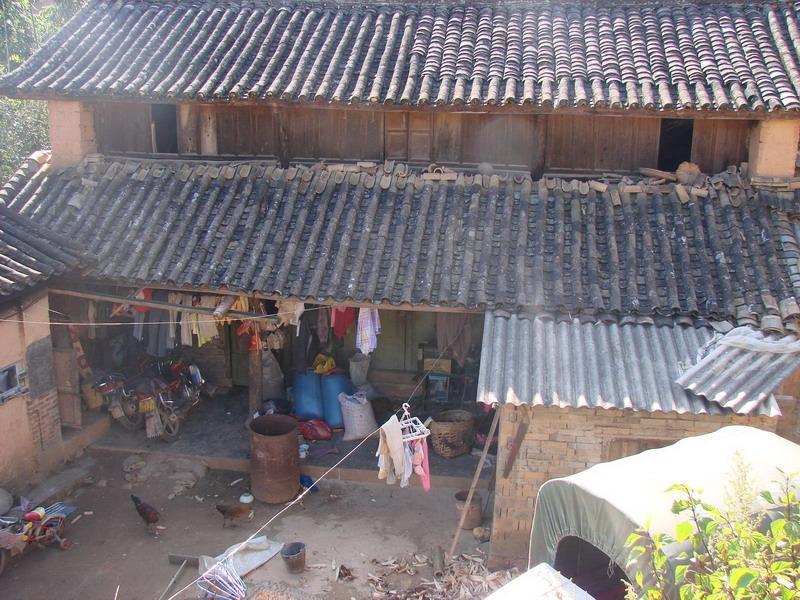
(451, 433)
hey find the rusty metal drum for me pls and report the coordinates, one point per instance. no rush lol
(274, 462)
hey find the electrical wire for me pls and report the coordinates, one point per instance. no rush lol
(320, 478)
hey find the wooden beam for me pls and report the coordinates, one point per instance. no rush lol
(323, 302)
(234, 314)
(254, 389)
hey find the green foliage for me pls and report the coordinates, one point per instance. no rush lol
(23, 123)
(729, 555)
(23, 130)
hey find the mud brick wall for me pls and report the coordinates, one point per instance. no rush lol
(561, 442)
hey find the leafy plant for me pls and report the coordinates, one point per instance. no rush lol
(729, 554)
(23, 123)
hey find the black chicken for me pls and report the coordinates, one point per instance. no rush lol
(149, 514)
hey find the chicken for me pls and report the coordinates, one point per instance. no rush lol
(235, 512)
(149, 514)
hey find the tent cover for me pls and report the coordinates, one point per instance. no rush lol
(604, 504)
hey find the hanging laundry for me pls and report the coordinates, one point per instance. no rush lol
(392, 454)
(305, 346)
(203, 325)
(341, 319)
(173, 298)
(290, 311)
(454, 335)
(91, 317)
(420, 461)
(138, 326)
(369, 327)
(323, 324)
(276, 340)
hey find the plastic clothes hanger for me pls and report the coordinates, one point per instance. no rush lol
(412, 427)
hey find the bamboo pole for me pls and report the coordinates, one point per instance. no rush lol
(475, 479)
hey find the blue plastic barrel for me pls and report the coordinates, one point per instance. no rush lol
(308, 396)
(333, 385)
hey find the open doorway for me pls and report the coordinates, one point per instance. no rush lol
(675, 143)
(590, 569)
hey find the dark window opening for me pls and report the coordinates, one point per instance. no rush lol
(9, 382)
(675, 143)
(165, 128)
(590, 569)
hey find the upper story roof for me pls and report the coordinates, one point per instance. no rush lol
(699, 55)
(653, 252)
(29, 253)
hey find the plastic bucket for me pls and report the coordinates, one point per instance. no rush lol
(308, 396)
(333, 385)
(474, 516)
(294, 557)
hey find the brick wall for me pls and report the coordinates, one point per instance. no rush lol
(561, 442)
(44, 419)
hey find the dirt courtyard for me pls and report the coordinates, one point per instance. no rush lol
(343, 524)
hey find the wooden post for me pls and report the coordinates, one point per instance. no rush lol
(188, 129)
(208, 131)
(255, 387)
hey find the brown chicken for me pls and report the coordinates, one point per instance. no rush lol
(149, 515)
(231, 513)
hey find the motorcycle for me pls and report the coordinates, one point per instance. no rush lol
(40, 527)
(122, 403)
(163, 395)
(174, 392)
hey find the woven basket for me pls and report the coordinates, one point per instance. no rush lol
(451, 433)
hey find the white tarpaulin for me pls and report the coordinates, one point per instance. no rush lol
(254, 554)
(542, 582)
(604, 504)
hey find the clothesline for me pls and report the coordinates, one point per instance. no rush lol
(308, 489)
(128, 323)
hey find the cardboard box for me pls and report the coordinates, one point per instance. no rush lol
(442, 365)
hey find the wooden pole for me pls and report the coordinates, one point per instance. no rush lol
(202, 310)
(254, 390)
(172, 581)
(475, 479)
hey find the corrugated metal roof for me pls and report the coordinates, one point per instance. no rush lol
(553, 54)
(573, 364)
(742, 368)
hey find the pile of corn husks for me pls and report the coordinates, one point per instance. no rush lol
(465, 578)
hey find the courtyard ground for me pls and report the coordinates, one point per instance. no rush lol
(346, 523)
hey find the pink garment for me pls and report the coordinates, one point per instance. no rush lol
(420, 462)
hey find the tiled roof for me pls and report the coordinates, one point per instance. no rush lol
(385, 233)
(573, 364)
(742, 368)
(672, 55)
(29, 253)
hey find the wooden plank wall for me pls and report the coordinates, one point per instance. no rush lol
(717, 144)
(536, 143)
(588, 143)
(123, 127)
